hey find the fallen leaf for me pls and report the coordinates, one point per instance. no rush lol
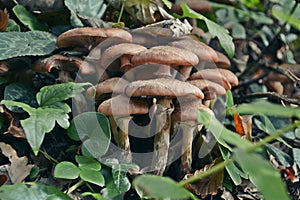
(208, 185)
(3, 179)
(4, 17)
(18, 169)
(243, 125)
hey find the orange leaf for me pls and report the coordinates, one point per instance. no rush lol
(243, 125)
(4, 17)
(238, 124)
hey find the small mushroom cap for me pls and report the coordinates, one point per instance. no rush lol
(221, 76)
(188, 111)
(89, 36)
(114, 52)
(200, 6)
(166, 55)
(165, 87)
(122, 106)
(63, 63)
(210, 89)
(152, 36)
(113, 85)
(223, 62)
(203, 51)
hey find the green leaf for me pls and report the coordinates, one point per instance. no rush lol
(267, 108)
(223, 135)
(35, 126)
(88, 162)
(29, 19)
(32, 43)
(214, 29)
(66, 170)
(268, 128)
(261, 173)
(31, 191)
(296, 156)
(93, 129)
(86, 9)
(282, 157)
(12, 26)
(91, 176)
(119, 171)
(278, 13)
(21, 93)
(167, 3)
(52, 94)
(151, 186)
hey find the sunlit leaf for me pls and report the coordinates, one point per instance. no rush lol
(262, 174)
(31, 43)
(31, 191)
(86, 9)
(151, 186)
(88, 162)
(29, 19)
(214, 29)
(267, 108)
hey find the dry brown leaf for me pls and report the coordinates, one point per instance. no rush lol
(4, 17)
(243, 125)
(208, 185)
(18, 169)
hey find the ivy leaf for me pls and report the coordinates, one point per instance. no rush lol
(151, 186)
(29, 19)
(261, 173)
(31, 43)
(31, 191)
(88, 162)
(86, 9)
(214, 29)
(93, 129)
(52, 94)
(119, 171)
(66, 170)
(35, 126)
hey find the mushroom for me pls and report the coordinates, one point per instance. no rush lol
(186, 115)
(89, 37)
(204, 52)
(223, 62)
(167, 57)
(114, 85)
(123, 50)
(164, 89)
(199, 6)
(221, 76)
(210, 89)
(120, 108)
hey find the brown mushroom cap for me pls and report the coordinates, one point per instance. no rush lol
(203, 51)
(221, 76)
(114, 52)
(200, 6)
(165, 87)
(113, 85)
(89, 36)
(122, 106)
(210, 89)
(165, 55)
(63, 63)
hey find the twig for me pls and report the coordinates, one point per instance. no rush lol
(271, 95)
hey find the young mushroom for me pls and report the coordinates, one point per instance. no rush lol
(163, 89)
(120, 108)
(223, 77)
(166, 57)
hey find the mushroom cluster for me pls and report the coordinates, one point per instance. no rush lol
(148, 72)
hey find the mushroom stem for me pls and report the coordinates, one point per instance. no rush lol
(186, 150)
(123, 138)
(162, 138)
